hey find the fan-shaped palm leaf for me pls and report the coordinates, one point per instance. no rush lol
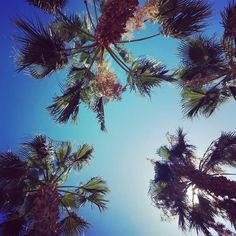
(73, 225)
(181, 18)
(146, 74)
(201, 101)
(221, 152)
(42, 50)
(50, 6)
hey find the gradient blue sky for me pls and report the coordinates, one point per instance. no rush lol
(136, 127)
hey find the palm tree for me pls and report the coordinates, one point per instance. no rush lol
(34, 197)
(87, 42)
(207, 74)
(196, 190)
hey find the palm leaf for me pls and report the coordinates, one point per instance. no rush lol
(145, 75)
(201, 101)
(228, 20)
(66, 106)
(11, 167)
(181, 18)
(50, 6)
(98, 108)
(199, 221)
(95, 184)
(69, 200)
(221, 152)
(73, 225)
(82, 156)
(67, 29)
(42, 51)
(13, 225)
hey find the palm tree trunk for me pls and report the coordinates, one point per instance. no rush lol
(46, 211)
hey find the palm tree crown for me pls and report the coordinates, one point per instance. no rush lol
(196, 190)
(87, 42)
(207, 74)
(34, 197)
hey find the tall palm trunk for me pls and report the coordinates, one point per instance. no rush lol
(46, 211)
(218, 185)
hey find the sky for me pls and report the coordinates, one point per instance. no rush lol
(137, 126)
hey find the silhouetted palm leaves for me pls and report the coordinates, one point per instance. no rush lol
(32, 187)
(195, 189)
(50, 6)
(88, 41)
(207, 74)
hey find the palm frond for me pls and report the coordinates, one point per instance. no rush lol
(67, 29)
(204, 102)
(82, 156)
(146, 74)
(50, 6)
(69, 200)
(181, 18)
(42, 51)
(98, 108)
(96, 185)
(73, 225)
(221, 152)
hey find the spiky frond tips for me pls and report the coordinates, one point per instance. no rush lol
(181, 18)
(195, 102)
(146, 74)
(42, 50)
(50, 6)
(229, 20)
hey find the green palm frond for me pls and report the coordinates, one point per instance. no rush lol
(146, 74)
(204, 102)
(63, 151)
(181, 18)
(124, 54)
(82, 156)
(221, 152)
(73, 225)
(69, 200)
(94, 192)
(50, 6)
(42, 51)
(95, 184)
(180, 151)
(200, 221)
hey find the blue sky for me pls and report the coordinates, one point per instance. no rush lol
(136, 128)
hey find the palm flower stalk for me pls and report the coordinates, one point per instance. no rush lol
(193, 189)
(83, 42)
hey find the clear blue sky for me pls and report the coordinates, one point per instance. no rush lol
(136, 127)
